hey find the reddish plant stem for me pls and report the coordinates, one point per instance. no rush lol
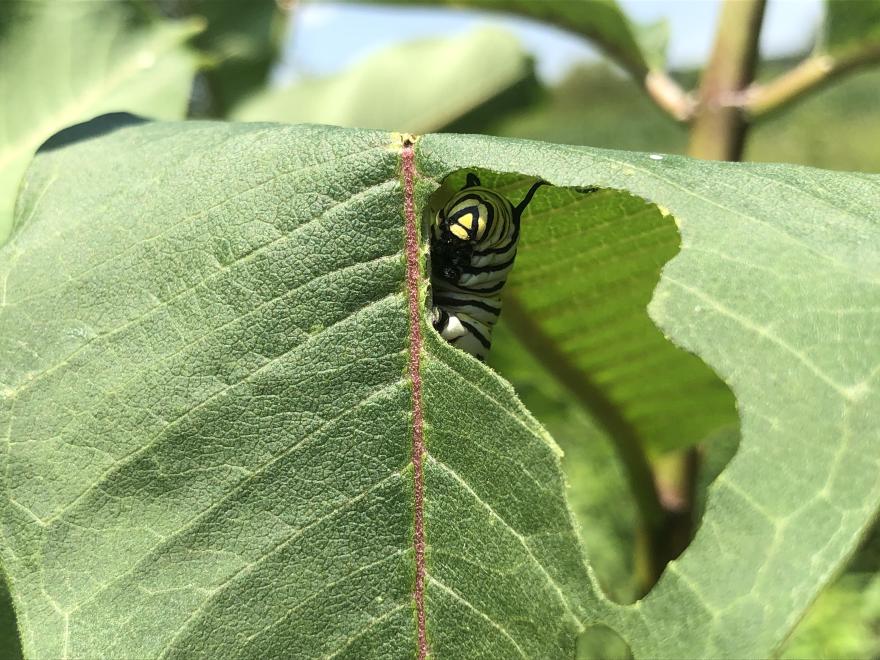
(413, 283)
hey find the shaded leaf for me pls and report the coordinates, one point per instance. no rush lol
(241, 41)
(653, 41)
(10, 646)
(588, 264)
(598, 493)
(851, 25)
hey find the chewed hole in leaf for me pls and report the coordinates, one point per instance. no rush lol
(602, 642)
(9, 640)
(576, 341)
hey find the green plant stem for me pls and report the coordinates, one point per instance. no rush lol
(719, 124)
(650, 557)
(808, 76)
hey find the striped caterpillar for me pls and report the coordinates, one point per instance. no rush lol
(473, 246)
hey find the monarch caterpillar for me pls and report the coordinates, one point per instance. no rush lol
(473, 245)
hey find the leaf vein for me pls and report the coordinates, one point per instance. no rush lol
(519, 537)
(844, 391)
(241, 485)
(250, 566)
(214, 275)
(373, 622)
(318, 592)
(150, 442)
(458, 597)
(201, 212)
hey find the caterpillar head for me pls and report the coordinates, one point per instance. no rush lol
(466, 216)
(449, 257)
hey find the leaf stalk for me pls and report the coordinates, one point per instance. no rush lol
(669, 95)
(808, 76)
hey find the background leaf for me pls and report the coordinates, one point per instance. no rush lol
(10, 644)
(240, 44)
(581, 287)
(92, 57)
(653, 39)
(455, 76)
(836, 127)
(601, 21)
(851, 25)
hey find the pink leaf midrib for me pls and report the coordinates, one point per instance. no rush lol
(413, 283)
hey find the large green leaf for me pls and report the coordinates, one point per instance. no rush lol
(64, 62)
(776, 287)
(455, 76)
(203, 353)
(206, 389)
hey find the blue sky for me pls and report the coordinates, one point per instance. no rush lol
(326, 37)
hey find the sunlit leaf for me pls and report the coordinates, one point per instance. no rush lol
(204, 395)
(416, 86)
(206, 376)
(65, 62)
